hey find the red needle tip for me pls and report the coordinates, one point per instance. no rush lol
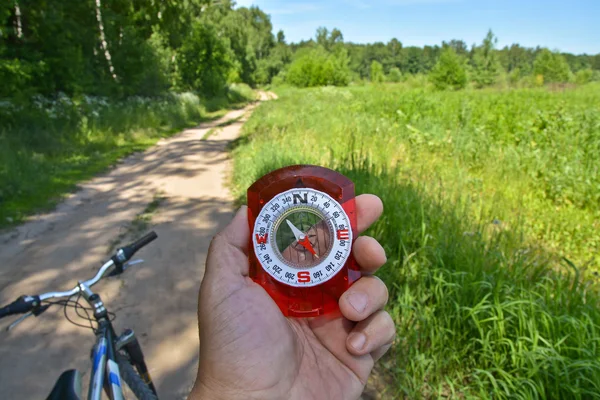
(306, 244)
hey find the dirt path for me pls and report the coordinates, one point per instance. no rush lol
(184, 178)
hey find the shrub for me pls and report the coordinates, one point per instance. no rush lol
(376, 72)
(317, 67)
(449, 72)
(415, 81)
(395, 75)
(514, 76)
(552, 66)
(584, 76)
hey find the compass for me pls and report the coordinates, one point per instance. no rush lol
(302, 220)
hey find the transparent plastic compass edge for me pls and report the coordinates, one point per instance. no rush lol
(322, 298)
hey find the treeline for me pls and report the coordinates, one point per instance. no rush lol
(453, 64)
(120, 48)
(123, 48)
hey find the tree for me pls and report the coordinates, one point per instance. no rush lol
(280, 37)
(328, 40)
(377, 75)
(486, 66)
(412, 61)
(595, 62)
(203, 60)
(517, 57)
(449, 72)
(279, 57)
(552, 66)
(394, 47)
(459, 46)
(322, 36)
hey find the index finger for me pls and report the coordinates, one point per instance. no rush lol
(368, 209)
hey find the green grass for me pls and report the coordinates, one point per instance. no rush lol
(490, 226)
(47, 147)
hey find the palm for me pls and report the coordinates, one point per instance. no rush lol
(250, 350)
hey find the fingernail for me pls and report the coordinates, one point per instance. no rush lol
(358, 301)
(358, 340)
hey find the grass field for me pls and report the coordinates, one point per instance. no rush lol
(491, 226)
(49, 146)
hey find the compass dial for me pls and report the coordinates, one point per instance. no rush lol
(302, 237)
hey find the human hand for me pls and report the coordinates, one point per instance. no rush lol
(249, 350)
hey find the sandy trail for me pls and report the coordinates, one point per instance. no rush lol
(157, 299)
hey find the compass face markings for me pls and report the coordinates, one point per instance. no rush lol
(302, 237)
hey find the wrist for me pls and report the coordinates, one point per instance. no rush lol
(202, 391)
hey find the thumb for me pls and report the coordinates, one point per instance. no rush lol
(228, 251)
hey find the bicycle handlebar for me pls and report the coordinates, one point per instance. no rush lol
(128, 251)
(27, 303)
(20, 306)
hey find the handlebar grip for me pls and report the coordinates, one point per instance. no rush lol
(124, 254)
(138, 244)
(5, 312)
(20, 306)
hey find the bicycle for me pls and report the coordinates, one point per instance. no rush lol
(113, 356)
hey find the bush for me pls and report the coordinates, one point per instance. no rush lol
(317, 67)
(514, 76)
(15, 76)
(584, 76)
(552, 66)
(279, 79)
(449, 72)
(415, 81)
(376, 72)
(395, 75)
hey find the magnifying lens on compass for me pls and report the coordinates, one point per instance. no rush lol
(303, 223)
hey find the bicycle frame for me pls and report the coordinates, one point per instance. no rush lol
(105, 369)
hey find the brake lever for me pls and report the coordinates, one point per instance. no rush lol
(131, 263)
(116, 272)
(19, 320)
(35, 312)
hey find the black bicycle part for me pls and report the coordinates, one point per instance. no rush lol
(139, 383)
(141, 389)
(124, 254)
(22, 305)
(136, 356)
(25, 304)
(67, 387)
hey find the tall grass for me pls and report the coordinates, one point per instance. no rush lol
(486, 305)
(48, 145)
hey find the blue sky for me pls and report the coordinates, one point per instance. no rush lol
(570, 26)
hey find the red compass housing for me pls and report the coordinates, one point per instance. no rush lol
(302, 221)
